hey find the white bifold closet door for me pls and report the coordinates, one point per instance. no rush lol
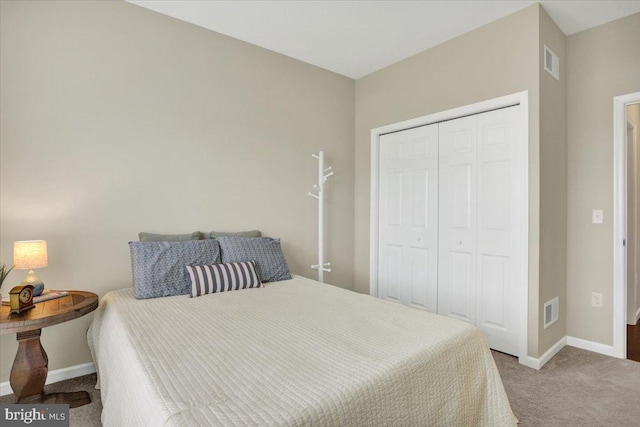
(408, 217)
(479, 231)
(449, 211)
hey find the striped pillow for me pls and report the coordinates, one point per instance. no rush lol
(231, 276)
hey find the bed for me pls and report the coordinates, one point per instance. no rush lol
(294, 353)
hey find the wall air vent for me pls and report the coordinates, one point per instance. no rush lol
(551, 63)
(550, 312)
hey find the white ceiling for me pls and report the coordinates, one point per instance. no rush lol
(355, 38)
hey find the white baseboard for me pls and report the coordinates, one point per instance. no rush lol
(637, 316)
(537, 363)
(592, 346)
(57, 375)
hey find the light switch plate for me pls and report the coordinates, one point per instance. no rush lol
(597, 216)
(596, 299)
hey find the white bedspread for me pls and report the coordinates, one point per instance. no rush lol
(295, 353)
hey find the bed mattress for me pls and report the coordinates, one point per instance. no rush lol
(294, 353)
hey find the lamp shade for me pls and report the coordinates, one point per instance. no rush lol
(30, 254)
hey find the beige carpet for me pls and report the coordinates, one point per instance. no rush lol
(576, 388)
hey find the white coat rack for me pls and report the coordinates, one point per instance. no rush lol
(323, 174)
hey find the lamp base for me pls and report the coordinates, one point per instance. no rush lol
(33, 280)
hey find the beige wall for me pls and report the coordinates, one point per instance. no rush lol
(116, 119)
(603, 62)
(633, 215)
(494, 60)
(553, 183)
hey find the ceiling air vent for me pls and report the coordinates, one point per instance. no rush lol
(550, 312)
(551, 63)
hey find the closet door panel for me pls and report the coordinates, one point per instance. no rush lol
(408, 222)
(391, 211)
(492, 287)
(498, 228)
(458, 292)
(457, 218)
(392, 272)
(417, 292)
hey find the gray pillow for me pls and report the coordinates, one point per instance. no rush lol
(271, 264)
(159, 268)
(252, 233)
(151, 237)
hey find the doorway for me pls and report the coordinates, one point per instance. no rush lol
(626, 254)
(633, 194)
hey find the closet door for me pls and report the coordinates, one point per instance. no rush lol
(498, 290)
(408, 217)
(479, 210)
(458, 217)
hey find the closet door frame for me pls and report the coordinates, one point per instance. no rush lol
(520, 98)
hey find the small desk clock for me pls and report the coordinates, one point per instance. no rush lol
(21, 298)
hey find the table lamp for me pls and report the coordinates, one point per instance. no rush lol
(27, 255)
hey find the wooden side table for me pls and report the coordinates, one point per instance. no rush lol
(29, 371)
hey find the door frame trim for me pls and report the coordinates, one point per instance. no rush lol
(620, 222)
(632, 318)
(519, 98)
